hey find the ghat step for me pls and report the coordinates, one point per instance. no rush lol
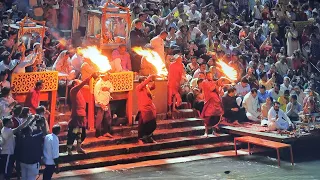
(113, 150)
(158, 134)
(161, 124)
(180, 114)
(144, 156)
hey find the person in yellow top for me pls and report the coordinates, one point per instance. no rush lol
(284, 100)
(269, 84)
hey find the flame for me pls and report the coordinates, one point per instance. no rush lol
(92, 53)
(227, 70)
(153, 58)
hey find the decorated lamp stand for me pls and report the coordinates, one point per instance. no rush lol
(28, 26)
(110, 26)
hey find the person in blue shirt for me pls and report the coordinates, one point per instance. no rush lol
(263, 94)
(294, 108)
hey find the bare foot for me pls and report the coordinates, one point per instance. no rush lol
(108, 135)
(140, 142)
(152, 140)
(215, 134)
(175, 110)
(205, 135)
(81, 151)
(236, 123)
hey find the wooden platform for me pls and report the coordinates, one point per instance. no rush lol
(258, 132)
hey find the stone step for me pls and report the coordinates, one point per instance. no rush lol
(185, 113)
(180, 114)
(144, 156)
(113, 150)
(161, 124)
(158, 134)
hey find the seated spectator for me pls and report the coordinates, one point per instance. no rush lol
(281, 66)
(215, 73)
(232, 111)
(286, 85)
(243, 87)
(265, 107)
(252, 77)
(300, 95)
(125, 61)
(192, 66)
(251, 104)
(63, 65)
(194, 81)
(310, 103)
(284, 100)
(263, 94)
(294, 108)
(275, 92)
(277, 119)
(265, 82)
(273, 72)
(202, 68)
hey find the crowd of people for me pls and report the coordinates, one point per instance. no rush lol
(276, 60)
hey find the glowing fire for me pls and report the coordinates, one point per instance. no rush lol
(227, 70)
(153, 58)
(92, 53)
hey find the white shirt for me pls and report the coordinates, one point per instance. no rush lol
(275, 95)
(3, 66)
(194, 17)
(242, 91)
(8, 141)
(194, 33)
(251, 104)
(76, 62)
(4, 106)
(100, 96)
(282, 117)
(50, 149)
(284, 88)
(21, 67)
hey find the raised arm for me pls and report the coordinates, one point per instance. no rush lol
(145, 82)
(23, 125)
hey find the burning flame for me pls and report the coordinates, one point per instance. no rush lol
(153, 58)
(92, 53)
(229, 71)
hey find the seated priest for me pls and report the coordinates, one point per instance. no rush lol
(232, 111)
(278, 119)
(120, 59)
(63, 65)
